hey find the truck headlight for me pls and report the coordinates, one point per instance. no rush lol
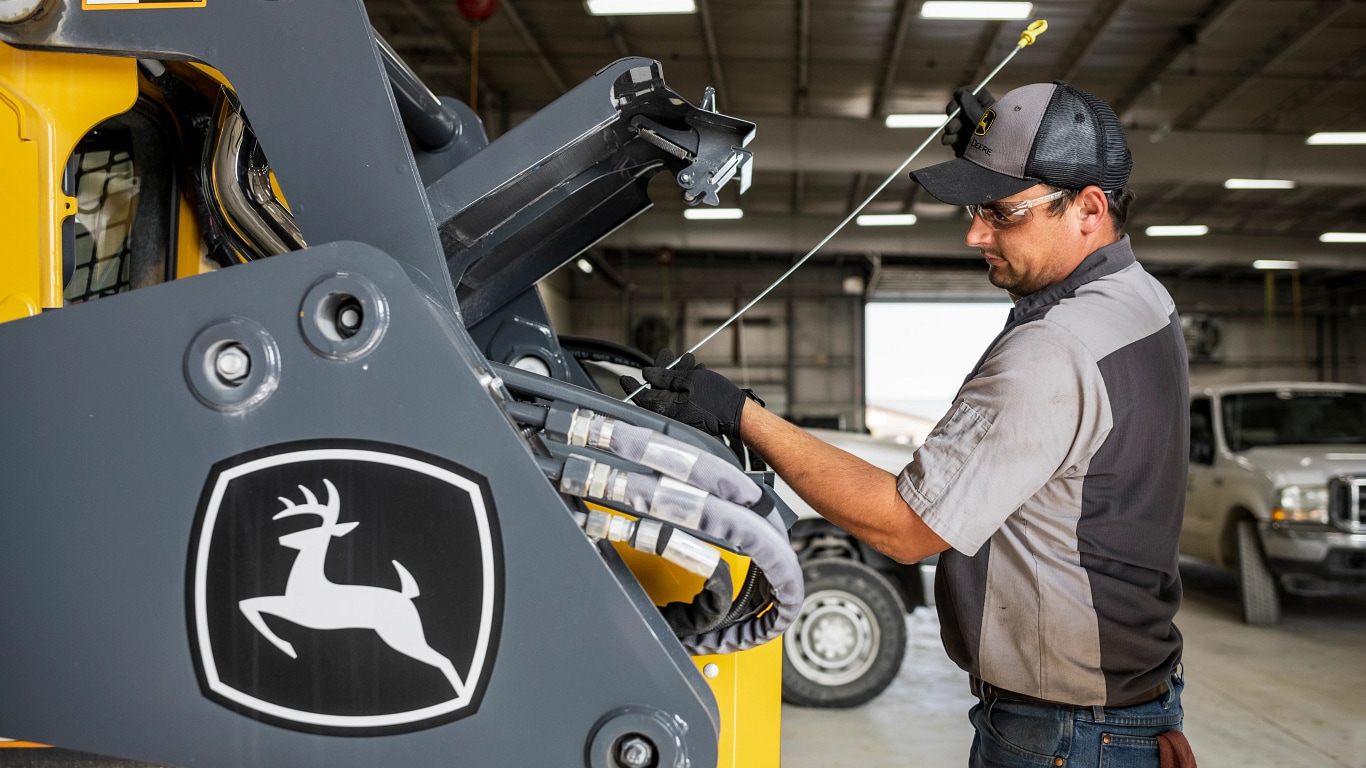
(1301, 504)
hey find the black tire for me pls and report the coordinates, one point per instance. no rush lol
(1261, 598)
(846, 645)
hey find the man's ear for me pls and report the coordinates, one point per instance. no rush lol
(1093, 209)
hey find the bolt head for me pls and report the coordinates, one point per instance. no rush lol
(232, 364)
(349, 317)
(635, 752)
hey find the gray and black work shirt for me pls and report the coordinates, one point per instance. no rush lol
(1058, 479)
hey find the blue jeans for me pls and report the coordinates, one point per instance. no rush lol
(1013, 734)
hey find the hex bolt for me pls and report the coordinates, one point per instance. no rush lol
(636, 751)
(232, 363)
(685, 178)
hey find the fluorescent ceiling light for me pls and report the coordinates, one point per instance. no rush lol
(952, 9)
(885, 220)
(1177, 230)
(585, 266)
(915, 121)
(1343, 237)
(712, 213)
(1259, 184)
(1275, 264)
(1345, 137)
(638, 7)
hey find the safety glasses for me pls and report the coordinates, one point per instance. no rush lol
(999, 215)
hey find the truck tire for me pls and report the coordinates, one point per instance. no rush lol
(846, 644)
(1257, 586)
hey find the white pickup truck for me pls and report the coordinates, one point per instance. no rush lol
(1276, 489)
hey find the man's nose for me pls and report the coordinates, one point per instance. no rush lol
(979, 234)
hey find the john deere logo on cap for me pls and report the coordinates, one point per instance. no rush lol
(984, 125)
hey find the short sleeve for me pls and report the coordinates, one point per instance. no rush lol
(1016, 425)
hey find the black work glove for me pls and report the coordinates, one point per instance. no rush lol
(690, 393)
(958, 133)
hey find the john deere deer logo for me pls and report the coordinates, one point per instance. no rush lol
(311, 600)
(346, 587)
(984, 125)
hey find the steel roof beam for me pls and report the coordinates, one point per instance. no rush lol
(855, 193)
(801, 94)
(713, 53)
(1310, 23)
(892, 57)
(490, 93)
(1211, 17)
(978, 63)
(534, 45)
(1086, 39)
(1315, 90)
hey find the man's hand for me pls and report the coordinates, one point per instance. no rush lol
(690, 393)
(958, 133)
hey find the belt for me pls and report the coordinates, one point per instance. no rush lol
(982, 689)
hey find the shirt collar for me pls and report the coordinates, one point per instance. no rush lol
(1106, 260)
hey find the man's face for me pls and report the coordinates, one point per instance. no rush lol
(1028, 256)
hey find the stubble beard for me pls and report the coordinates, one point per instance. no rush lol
(1002, 276)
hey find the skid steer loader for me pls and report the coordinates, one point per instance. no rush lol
(266, 498)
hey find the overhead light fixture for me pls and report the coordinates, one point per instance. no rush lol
(1339, 137)
(639, 7)
(919, 120)
(585, 266)
(1259, 184)
(954, 9)
(1343, 237)
(885, 220)
(1176, 230)
(1275, 264)
(702, 214)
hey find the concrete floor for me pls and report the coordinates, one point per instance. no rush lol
(1290, 695)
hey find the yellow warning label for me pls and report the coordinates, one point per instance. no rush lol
(123, 5)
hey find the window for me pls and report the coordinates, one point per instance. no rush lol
(122, 233)
(1293, 417)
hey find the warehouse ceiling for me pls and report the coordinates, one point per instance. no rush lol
(1207, 90)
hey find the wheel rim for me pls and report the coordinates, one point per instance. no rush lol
(835, 639)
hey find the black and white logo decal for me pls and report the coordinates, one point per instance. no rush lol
(345, 587)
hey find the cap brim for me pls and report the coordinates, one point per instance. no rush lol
(963, 182)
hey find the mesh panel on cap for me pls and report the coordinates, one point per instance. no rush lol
(1080, 142)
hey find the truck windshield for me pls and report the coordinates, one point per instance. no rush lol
(1293, 417)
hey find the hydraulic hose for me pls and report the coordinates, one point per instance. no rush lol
(687, 490)
(668, 503)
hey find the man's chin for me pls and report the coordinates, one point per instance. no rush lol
(1001, 278)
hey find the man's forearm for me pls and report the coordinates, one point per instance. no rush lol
(846, 490)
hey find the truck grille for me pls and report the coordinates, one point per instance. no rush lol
(1346, 498)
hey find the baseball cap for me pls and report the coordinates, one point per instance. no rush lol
(1046, 133)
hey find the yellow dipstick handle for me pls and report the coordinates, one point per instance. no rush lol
(1032, 32)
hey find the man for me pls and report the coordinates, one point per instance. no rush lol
(1054, 486)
